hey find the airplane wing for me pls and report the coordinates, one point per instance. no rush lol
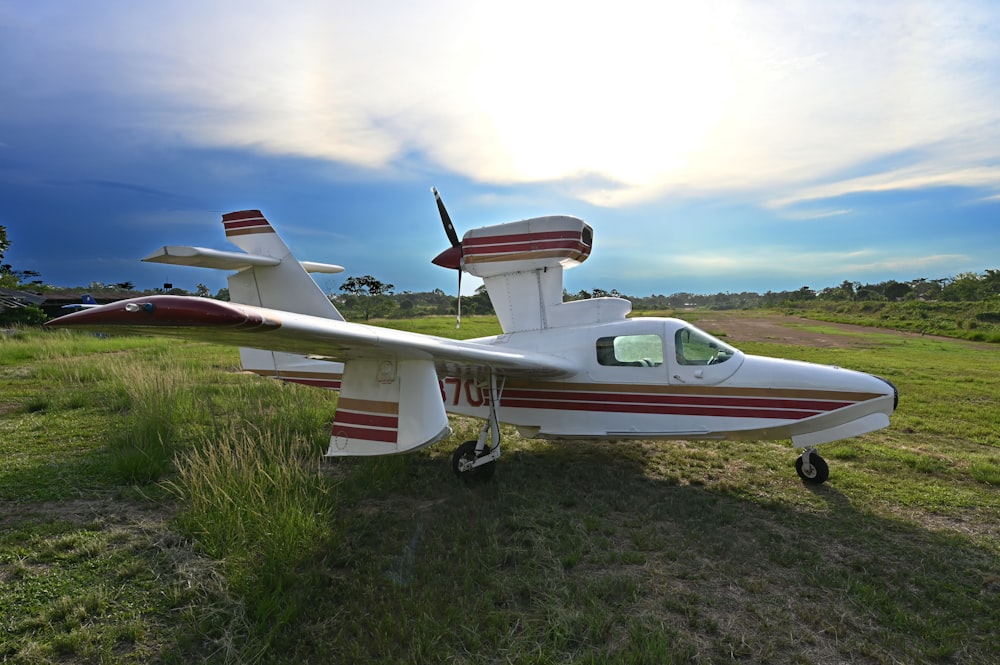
(234, 324)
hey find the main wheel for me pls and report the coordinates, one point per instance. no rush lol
(467, 452)
(817, 474)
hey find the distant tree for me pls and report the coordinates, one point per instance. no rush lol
(991, 282)
(894, 290)
(202, 291)
(123, 286)
(479, 303)
(846, 291)
(29, 315)
(222, 294)
(869, 294)
(967, 286)
(10, 278)
(369, 296)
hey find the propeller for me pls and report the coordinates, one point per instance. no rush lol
(449, 228)
(452, 257)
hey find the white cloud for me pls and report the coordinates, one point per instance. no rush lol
(914, 177)
(778, 264)
(657, 97)
(817, 214)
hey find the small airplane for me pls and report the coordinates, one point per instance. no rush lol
(86, 302)
(560, 370)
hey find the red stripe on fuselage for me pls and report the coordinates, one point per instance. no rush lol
(727, 402)
(677, 400)
(658, 409)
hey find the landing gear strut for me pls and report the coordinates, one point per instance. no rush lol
(812, 469)
(475, 461)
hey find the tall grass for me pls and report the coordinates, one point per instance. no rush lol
(256, 499)
(156, 404)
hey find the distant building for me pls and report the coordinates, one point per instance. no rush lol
(55, 302)
(11, 299)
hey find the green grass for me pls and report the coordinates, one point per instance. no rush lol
(158, 506)
(976, 321)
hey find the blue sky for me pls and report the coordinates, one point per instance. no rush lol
(713, 146)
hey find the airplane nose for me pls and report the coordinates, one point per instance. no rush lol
(895, 391)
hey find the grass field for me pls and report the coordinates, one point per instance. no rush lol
(156, 505)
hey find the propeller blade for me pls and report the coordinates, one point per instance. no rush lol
(449, 228)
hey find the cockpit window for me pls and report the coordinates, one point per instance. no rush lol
(630, 351)
(696, 347)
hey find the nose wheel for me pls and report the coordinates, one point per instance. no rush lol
(475, 461)
(471, 465)
(812, 469)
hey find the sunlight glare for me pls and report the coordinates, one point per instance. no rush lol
(631, 99)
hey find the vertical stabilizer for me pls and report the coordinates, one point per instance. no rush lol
(285, 286)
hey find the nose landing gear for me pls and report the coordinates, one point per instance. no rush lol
(812, 469)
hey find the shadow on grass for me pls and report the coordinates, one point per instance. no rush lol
(56, 479)
(574, 553)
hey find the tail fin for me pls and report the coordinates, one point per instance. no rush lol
(267, 276)
(286, 285)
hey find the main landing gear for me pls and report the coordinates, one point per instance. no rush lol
(475, 461)
(812, 469)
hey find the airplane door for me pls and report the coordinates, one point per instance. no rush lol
(697, 358)
(634, 357)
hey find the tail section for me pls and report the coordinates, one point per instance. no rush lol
(286, 285)
(267, 276)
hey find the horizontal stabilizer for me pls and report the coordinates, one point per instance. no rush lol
(327, 268)
(203, 257)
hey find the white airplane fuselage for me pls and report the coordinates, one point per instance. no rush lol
(655, 390)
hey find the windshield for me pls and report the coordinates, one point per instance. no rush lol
(697, 347)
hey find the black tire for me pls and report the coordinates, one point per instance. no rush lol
(820, 470)
(480, 474)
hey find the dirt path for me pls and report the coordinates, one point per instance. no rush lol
(779, 328)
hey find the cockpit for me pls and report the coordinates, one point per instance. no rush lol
(647, 343)
(696, 347)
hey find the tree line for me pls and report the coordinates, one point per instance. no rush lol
(366, 297)
(369, 298)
